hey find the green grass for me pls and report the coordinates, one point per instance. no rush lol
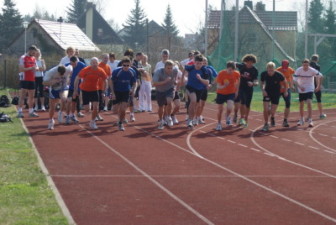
(328, 100)
(25, 197)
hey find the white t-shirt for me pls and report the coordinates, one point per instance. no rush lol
(113, 65)
(65, 60)
(305, 79)
(159, 65)
(184, 62)
(62, 81)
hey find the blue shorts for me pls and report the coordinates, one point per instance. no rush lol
(54, 94)
(221, 99)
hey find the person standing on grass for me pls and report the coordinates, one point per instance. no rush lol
(198, 80)
(123, 86)
(79, 58)
(304, 81)
(39, 88)
(227, 90)
(73, 103)
(288, 73)
(103, 84)
(90, 76)
(318, 94)
(165, 80)
(248, 79)
(270, 86)
(57, 79)
(28, 67)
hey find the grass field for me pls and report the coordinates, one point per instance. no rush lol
(328, 99)
(25, 197)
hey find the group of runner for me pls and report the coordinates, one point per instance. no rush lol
(72, 83)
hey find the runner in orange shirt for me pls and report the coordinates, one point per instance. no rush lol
(90, 85)
(227, 91)
(288, 73)
(103, 85)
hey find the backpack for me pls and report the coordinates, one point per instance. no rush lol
(15, 100)
(4, 101)
(5, 118)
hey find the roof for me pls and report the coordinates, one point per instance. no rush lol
(283, 20)
(67, 34)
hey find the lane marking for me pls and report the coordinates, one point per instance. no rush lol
(299, 143)
(274, 136)
(151, 179)
(233, 142)
(243, 145)
(324, 135)
(285, 139)
(313, 147)
(318, 142)
(254, 149)
(329, 152)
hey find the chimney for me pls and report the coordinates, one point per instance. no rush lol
(249, 4)
(89, 20)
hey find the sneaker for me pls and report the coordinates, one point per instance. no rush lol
(242, 122)
(195, 122)
(272, 122)
(235, 119)
(74, 119)
(132, 118)
(43, 109)
(80, 114)
(161, 125)
(121, 126)
(36, 108)
(228, 121)
(219, 127)
(300, 122)
(175, 121)
(93, 125)
(125, 121)
(105, 108)
(20, 115)
(169, 121)
(51, 124)
(266, 127)
(310, 123)
(99, 118)
(60, 117)
(33, 115)
(323, 116)
(285, 123)
(190, 124)
(67, 120)
(201, 120)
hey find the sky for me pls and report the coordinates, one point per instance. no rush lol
(188, 15)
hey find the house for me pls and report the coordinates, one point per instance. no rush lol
(96, 27)
(52, 37)
(269, 35)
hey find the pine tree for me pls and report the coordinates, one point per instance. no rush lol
(315, 20)
(135, 26)
(169, 25)
(76, 10)
(330, 20)
(10, 23)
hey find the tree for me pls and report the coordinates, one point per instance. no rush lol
(76, 10)
(10, 23)
(135, 26)
(330, 20)
(168, 24)
(315, 20)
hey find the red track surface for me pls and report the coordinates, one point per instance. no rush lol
(200, 176)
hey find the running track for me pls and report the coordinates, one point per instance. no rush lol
(200, 176)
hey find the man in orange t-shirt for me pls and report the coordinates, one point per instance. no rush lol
(227, 91)
(103, 84)
(90, 85)
(288, 73)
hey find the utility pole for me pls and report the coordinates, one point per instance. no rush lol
(236, 31)
(306, 31)
(206, 29)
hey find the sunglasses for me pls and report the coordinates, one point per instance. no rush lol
(125, 65)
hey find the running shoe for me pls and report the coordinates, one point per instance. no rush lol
(20, 115)
(80, 114)
(235, 118)
(161, 125)
(33, 115)
(67, 120)
(125, 121)
(105, 108)
(60, 117)
(323, 116)
(99, 118)
(36, 108)
(242, 122)
(93, 125)
(219, 127)
(51, 124)
(272, 122)
(201, 120)
(74, 119)
(175, 121)
(285, 123)
(169, 121)
(43, 109)
(300, 122)
(121, 126)
(228, 121)
(266, 127)
(132, 118)
(310, 122)
(190, 124)
(195, 122)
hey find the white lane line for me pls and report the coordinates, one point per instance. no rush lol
(285, 139)
(299, 143)
(329, 152)
(151, 179)
(274, 136)
(254, 149)
(323, 135)
(318, 142)
(313, 147)
(244, 146)
(233, 142)
(260, 185)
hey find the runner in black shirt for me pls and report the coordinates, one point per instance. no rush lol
(313, 63)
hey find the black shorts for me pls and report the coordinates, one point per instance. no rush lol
(318, 96)
(197, 92)
(29, 85)
(70, 94)
(39, 87)
(273, 98)
(161, 97)
(245, 97)
(221, 99)
(305, 96)
(122, 96)
(176, 96)
(204, 95)
(90, 96)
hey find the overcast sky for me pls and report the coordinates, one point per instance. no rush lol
(187, 14)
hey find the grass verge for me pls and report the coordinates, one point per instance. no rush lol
(25, 197)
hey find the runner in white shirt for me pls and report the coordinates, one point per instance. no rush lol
(70, 51)
(304, 81)
(113, 63)
(164, 58)
(187, 60)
